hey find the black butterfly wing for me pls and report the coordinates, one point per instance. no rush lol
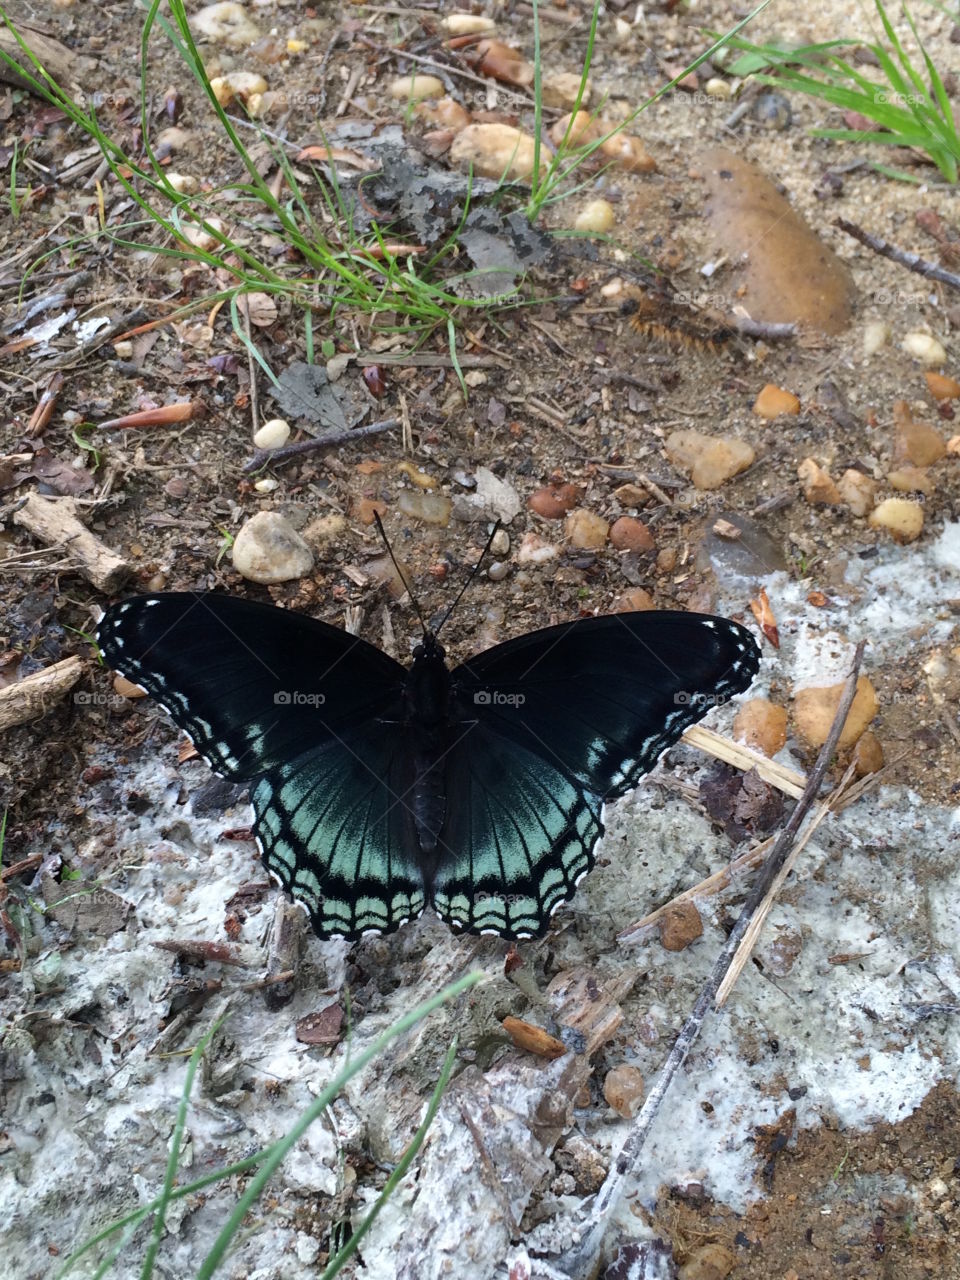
(602, 698)
(310, 711)
(518, 837)
(253, 686)
(334, 826)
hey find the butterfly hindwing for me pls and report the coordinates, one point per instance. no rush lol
(518, 838)
(603, 698)
(334, 826)
(252, 685)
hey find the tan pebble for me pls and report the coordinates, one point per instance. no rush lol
(667, 560)
(709, 1262)
(173, 138)
(127, 689)
(365, 509)
(269, 484)
(720, 461)
(915, 442)
(717, 88)
(237, 84)
(443, 113)
(431, 508)
(631, 495)
(814, 710)
(679, 925)
(586, 529)
(875, 335)
(554, 500)
(200, 238)
(273, 434)
(941, 387)
(597, 216)
(561, 88)
(324, 529)
(953, 445)
(628, 153)
(475, 378)
(583, 128)
(623, 1089)
(415, 88)
(123, 349)
(773, 400)
(496, 151)
(629, 534)
(818, 487)
(900, 517)
(533, 550)
(382, 569)
(612, 288)
(225, 23)
(867, 754)
(762, 725)
(910, 480)
(636, 600)
(858, 491)
(185, 184)
(466, 24)
(924, 347)
(268, 549)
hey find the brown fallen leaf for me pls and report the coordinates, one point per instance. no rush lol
(163, 415)
(763, 612)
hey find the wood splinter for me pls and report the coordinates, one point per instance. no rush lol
(54, 522)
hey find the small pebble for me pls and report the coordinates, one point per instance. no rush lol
(127, 689)
(711, 1262)
(268, 549)
(267, 485)
(431, 508)
(495, 151)
(772, 110)
(560, 90)
(443, 113)
(858, 491)
(623, 1089)
(762, 726)
(941, 387)
(631, 495)
(875, 335)
(273, 434)
(818, 487)
(497, 571)
(867, 754)
(585, 529)
(237, 84)
(924, 347)
(679, 925)
(630, 534)
(383, 570)
(910, 480)
(636, 600)
(597, 216)
(201, 239)
(717, 88)
(900, 517)
(416, 88)
(225, 23)
(815, 707)
(366, 508)
(325, 529)
(915, 442)
(466, 24)
(184, 184)
(773, 400)
(533, 550)
(710, 460)
(419, 478)
(500, 543)
(554, 500)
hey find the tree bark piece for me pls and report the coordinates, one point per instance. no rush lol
(32, 698)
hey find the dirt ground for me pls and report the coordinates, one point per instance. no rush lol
(564, 391)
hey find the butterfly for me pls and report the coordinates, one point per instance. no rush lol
(379, 790)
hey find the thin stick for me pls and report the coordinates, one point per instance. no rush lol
(912, 261)
(265, 457)
(252, 373)
(582, 1260)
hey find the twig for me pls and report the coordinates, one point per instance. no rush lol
(769, 330)
(581, 1261)
(32, 697)
(265, 457)
(912, 261)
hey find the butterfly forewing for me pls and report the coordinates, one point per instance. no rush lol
(252, 685)
(603, 698)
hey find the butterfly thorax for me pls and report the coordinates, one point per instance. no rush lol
(427, 700)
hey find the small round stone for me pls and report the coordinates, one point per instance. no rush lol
(500, 543)
(269, 549)
(273, 434)
(497, 571)
(772, 110)
(623, 1089)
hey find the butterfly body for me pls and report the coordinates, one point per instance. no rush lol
(379, 790)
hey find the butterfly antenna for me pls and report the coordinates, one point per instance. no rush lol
(403, 577)
(473, 573)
